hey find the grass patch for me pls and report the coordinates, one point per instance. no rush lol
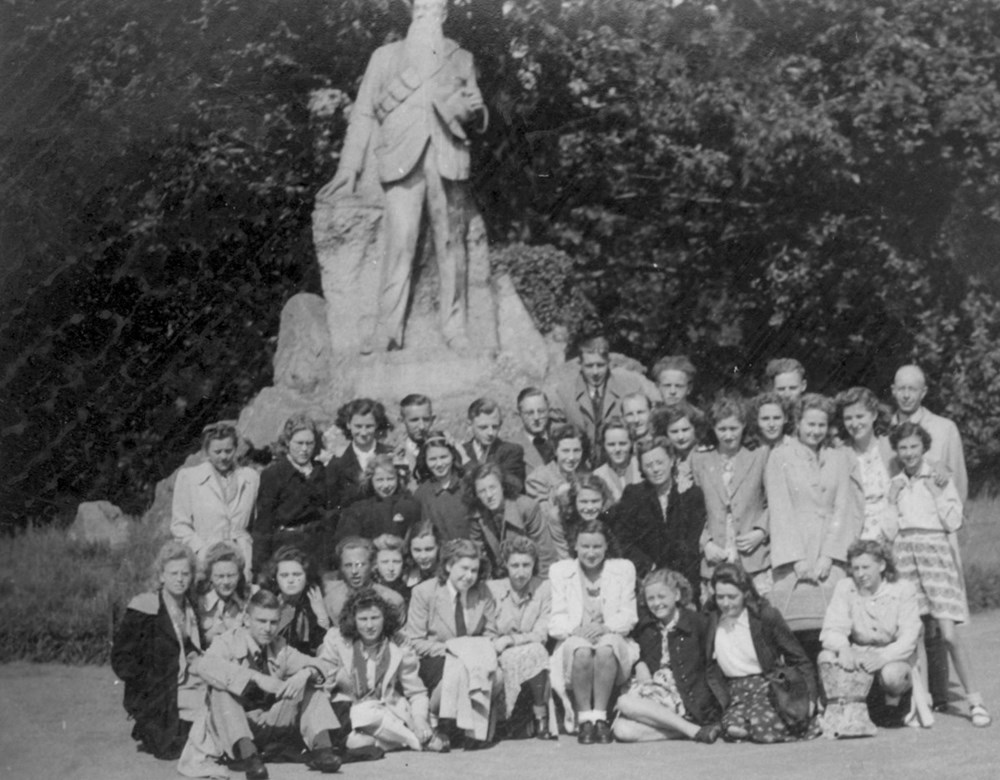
(980, 543)
(58, 598)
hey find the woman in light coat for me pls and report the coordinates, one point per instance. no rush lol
(215, 500)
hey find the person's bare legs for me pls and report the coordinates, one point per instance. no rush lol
(635, 711)
(951, 636)
(605, 674)
(582, 678)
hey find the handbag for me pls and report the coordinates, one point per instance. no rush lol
(788, 692)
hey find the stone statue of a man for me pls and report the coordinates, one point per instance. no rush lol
(417, 98)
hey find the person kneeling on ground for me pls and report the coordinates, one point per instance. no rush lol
(870, 635)
(261, 691)
(378, 695)
(669, 697)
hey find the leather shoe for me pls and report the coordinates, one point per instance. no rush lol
(602, 733)
(709, 734)
(324, 760)
(255, 768)
(587, 734)
(542, 729)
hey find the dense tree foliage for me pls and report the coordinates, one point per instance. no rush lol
(734, 180)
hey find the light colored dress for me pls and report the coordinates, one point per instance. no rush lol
(576, 602)
(873, 476)
(525, 618)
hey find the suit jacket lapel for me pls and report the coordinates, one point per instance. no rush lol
(741, 468)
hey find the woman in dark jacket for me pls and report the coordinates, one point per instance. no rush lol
(670, 697)
(657, 525)
(388, 508)
(153, 645)
(748, 640)
(292, 499)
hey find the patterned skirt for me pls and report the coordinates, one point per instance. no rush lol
(750, 709)
(519, 664)
(925, 558)
(662, 690)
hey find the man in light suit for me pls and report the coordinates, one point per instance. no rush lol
(416, 99)
(592, 397)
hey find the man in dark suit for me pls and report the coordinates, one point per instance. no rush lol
(533, 409)
(485, 445)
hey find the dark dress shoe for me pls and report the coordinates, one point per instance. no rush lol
(602, 733)
(708, 734)
(323, 760)
(587, 734)
(255, 768)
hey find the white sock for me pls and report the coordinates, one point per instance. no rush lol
(600, 714)
(586, 716)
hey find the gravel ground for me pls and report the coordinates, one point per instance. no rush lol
(67, 722)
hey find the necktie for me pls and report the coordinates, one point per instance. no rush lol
(544, 449)
(259, 662)
(460, 627)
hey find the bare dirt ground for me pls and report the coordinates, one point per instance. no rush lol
(65, 722)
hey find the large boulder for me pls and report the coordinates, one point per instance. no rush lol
(302, 359)
(100, 522)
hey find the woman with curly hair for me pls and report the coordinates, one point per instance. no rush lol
(593, 612)
(291, 576)
(292, 500)
(669, 697)
(813, 516)
(440, 495)
(588, 498)
(865, 422)
(365, 424)
(620, 468)
(378, 695)
(224, 591)
(870, 635)
(154, 647)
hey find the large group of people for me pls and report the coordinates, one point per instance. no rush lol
(624, 568)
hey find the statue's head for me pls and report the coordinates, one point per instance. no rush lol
(430, 10)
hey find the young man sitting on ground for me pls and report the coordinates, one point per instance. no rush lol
(264, 696)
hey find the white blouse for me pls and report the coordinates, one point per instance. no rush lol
(734, 648)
